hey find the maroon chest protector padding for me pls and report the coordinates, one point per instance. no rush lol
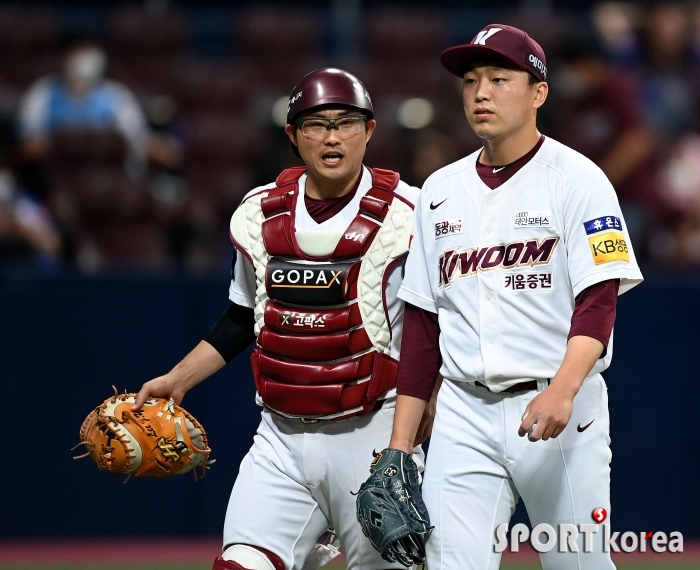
(313, 360)
(280, 203)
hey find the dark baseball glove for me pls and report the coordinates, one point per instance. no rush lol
(391, 511)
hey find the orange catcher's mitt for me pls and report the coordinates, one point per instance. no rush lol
(159, 440)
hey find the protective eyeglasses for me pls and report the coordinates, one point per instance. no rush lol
(318, 128)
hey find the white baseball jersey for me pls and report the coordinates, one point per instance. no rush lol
(502, 267)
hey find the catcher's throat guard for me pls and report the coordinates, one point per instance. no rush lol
(159, 440)
(391, 511)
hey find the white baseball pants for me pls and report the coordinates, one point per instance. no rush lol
(296, 481)
(478, 467)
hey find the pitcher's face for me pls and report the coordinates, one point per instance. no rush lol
(499, 101)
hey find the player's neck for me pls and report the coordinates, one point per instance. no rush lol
(504, 150)
(325, 188)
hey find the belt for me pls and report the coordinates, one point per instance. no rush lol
(515, 388)
(376, 407)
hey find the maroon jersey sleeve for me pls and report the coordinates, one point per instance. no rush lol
(594, 312)
(420, 360)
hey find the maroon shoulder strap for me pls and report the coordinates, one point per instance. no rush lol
(281, 199)
(374, 206)
(384, 179)
(290, 175)
(277, 229)
(377, 201)
(278, 200)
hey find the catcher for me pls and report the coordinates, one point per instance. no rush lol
(158, 440)
(318, 262)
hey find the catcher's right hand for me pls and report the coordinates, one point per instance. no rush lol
(391, 511)
(159, 440)
(162, 387)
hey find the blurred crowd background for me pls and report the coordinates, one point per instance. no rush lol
(130, 132)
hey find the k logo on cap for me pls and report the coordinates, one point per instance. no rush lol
(484, 35)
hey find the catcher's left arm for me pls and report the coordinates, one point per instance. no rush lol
(158, 440)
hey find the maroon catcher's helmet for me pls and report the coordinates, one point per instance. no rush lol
(328, 87)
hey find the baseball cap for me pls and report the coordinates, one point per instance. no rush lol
(500, 41)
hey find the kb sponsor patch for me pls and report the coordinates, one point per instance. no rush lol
(606, 239)
(608, 246)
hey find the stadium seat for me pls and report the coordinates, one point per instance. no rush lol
(118, 246)
(269, 33)
(405, 78)
(27, 31)
(222, 188)
(133, 33)
(91, 192)
(148, 76)
(76, 147)
(400, 33)
(215, 86)
(27, 45)
(224, 139)
(146, 50)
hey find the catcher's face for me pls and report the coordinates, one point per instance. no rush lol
(500, 102)
(333, 153)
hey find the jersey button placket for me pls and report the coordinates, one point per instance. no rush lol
(490, 324)
(488, 305)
